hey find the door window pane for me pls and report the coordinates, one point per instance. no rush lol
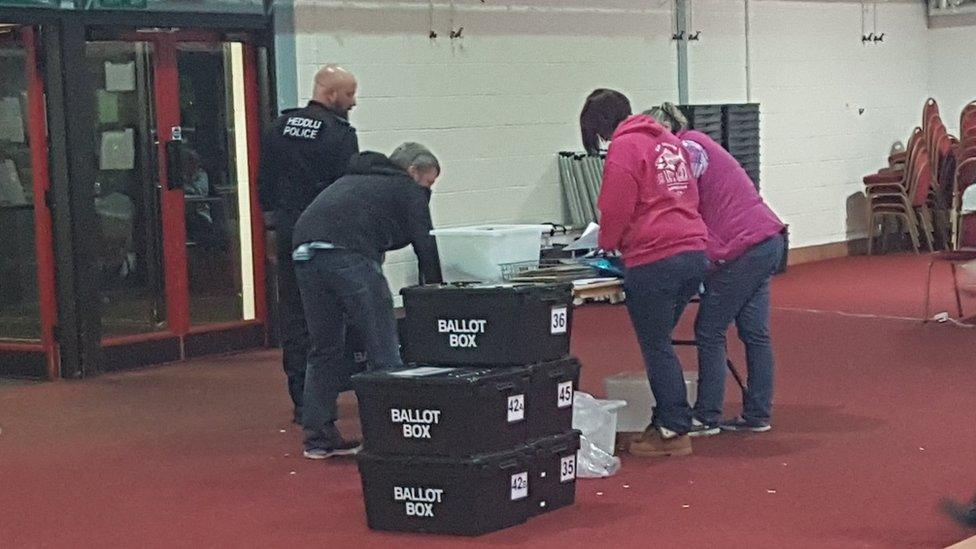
(126, 189)
(19, 310)
(217, 193)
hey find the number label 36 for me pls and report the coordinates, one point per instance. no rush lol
(559, 320)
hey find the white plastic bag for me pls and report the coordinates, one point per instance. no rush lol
(597, 421)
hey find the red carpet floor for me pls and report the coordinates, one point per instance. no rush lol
(874, 424)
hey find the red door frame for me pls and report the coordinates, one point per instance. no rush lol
(166, 93)
(166, 96)
(252, 106)
(43, 231)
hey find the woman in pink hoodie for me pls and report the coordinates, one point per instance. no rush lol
(745, 246)
(649, 212)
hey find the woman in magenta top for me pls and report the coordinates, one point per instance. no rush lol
(649, 212)
(745, 246)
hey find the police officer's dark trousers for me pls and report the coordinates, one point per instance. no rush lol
(291, 316)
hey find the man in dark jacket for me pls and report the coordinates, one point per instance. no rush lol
(382, 204)
(306, 150)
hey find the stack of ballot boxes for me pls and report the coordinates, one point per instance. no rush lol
(475, 434)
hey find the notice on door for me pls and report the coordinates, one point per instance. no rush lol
(120, 77)
(118, 150)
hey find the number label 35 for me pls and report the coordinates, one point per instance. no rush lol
(567, 468)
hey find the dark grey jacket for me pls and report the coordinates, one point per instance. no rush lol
(377, 207)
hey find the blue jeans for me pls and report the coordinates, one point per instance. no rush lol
(340, 287)
(657, 294)
(737, 291)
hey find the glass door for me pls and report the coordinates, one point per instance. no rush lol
(216, 182)
(127, 189)
(27, 288)
(178, 224)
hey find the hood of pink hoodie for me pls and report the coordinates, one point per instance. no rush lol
(639, 123)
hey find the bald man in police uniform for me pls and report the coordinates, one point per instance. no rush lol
(305, 151)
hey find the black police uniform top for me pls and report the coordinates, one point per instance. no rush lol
(306, 150)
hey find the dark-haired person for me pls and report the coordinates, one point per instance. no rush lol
(649, 212)
(745, 246)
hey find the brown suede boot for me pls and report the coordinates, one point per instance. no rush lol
(653, 444)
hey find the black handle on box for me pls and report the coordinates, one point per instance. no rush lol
(510, 464)
(507, 386)
(556, 296)
(556, 228)
(463, 283)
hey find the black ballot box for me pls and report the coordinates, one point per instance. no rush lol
(354, 358)
(549, 401)
(487, 324)
(460, 496)
(438, 411)
(552, 471)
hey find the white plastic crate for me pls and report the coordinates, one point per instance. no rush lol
(605, 439)
(476, 253)
(634, 388)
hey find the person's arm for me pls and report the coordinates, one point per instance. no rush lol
(348, 148)
(618, 199)
(424, 244)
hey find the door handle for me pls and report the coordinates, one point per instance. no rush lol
(174, 165)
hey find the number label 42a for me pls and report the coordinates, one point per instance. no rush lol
(516, 408)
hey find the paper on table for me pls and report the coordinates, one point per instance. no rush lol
(588, 281)
(118, 151)
(588, 240)
(120, 76)
(11, 121)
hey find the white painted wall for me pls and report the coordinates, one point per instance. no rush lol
(832, 107)
(813, 76)
(499, 103)
(717, 60)
(952, 71)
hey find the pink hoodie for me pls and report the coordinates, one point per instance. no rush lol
(736, 216)
(649, 199)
